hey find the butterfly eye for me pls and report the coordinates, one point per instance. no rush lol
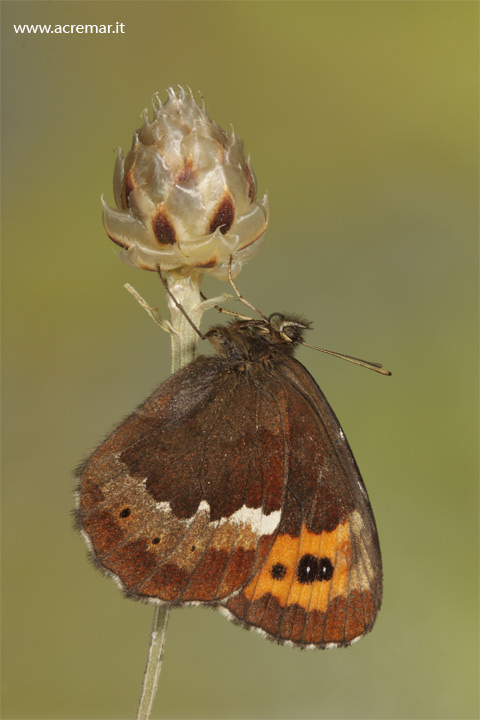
(291, 332)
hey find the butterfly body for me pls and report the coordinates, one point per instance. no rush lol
(233, 485)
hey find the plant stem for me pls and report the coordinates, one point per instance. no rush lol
(184, 342)
(154, 662)
(186, 291)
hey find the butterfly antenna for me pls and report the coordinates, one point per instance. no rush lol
(179, 306)
(225, 311)
(240, 297)
(376, 367)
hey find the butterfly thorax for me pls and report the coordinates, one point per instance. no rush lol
(258, 341)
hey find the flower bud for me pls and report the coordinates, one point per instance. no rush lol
(185, 194)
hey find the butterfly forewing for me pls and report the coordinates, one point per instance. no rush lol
(321, 583)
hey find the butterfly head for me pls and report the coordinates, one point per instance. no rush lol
(287, 329)
(256, 339)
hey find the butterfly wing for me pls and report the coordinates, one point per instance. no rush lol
(181, 502)
(321, 583)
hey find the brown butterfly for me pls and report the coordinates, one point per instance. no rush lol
(234, 486)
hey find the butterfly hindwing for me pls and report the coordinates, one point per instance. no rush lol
(162, 511)
(321, 583)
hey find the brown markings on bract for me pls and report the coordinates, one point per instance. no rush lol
(251, 183)
(118, 242)
(208, 263)
(224, 215)
(187, 173)
(128, 186)
(163, 228)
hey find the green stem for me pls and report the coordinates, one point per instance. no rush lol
(184, 341)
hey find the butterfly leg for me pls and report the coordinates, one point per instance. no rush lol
(153, 312)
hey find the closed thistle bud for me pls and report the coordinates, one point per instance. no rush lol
(185, 194)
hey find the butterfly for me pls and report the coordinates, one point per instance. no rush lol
(233, 486)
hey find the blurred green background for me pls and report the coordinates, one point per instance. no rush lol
(361, 119)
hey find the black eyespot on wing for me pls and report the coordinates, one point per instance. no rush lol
(307, 569)
(325, 569)
(125, 512)
(278, 571)
(311, 568)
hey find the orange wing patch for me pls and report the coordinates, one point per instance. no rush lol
(317, 589)
(306, 570)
